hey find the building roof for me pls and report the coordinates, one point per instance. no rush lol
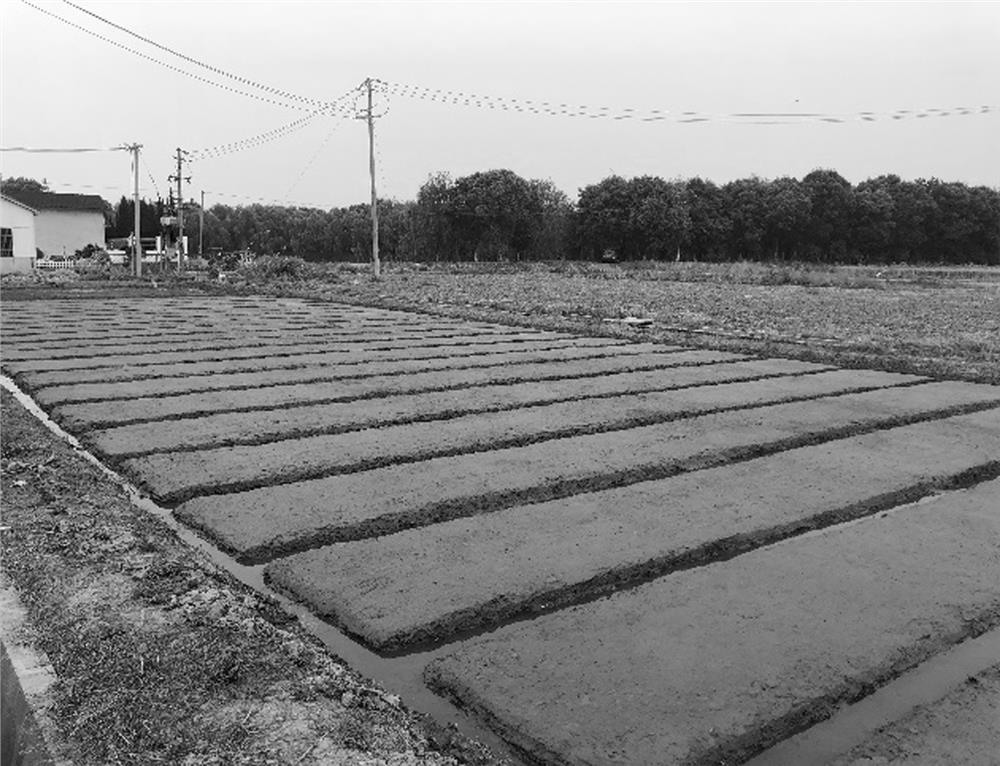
(13, 201)
(54, 201)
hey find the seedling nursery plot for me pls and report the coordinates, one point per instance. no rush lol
(605, 551)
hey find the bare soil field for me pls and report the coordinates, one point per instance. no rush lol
(933, 321)
(607, 549)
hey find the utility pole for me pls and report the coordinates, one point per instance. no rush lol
(376, 264)
(137, 217)
(201, 225)
(180, 207)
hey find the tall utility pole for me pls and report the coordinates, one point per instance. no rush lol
(180, 207)
(376, 264)
(201, 225)
(137, 221)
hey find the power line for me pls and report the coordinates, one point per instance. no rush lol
(215, 70)
(265, 200)
(254, 141)
(560, 109)
(156, 187)
(330, 106)
(75, 150)
(312, 160)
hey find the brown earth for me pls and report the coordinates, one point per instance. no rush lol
(350, 388)
(714, 664)
(376, 406)
(962, 728)
(161, 657)
(63, 390)
(553, 450)
(424, 585)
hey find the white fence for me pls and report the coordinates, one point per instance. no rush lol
(41, 264)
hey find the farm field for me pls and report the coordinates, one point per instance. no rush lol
(933, 321)
(607, 549)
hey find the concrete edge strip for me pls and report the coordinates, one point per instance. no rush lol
(34, 674)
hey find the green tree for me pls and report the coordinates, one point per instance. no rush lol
(11, 186)
(831, 206)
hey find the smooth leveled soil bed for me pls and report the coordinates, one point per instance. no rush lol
(962, 728)
(71, 348)
(61, 389)
(267, 521)
(140, 356)
(269, 425)
(296, 361)
(344, 388)
(61, 392)
(429, 583)
(714, 664)
(176, 476)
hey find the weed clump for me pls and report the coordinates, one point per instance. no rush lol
(279, 268)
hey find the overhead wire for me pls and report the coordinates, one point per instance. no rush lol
(263, 138)
(151, 177)
(215, 70)
(563, 109)
(73, 150)
(312, 160)
(287, 104)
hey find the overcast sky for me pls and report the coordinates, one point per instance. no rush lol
(61, 87)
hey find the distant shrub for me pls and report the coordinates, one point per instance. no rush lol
(272, 268)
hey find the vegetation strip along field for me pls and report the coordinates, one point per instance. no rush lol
(759, 646)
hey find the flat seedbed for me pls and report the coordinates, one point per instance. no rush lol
(960, 728)
(600, 542)
(708, 665)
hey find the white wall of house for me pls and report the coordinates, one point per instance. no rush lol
(21, 221)
(63, 232)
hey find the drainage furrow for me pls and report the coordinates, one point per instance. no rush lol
(110, 374)
(222, 343)
(263, 437)
(276, 351)
(382, 393)
(172, 385)
(503, 610)
(286, 475)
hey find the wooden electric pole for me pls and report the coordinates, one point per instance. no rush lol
(179, 178)
(376, 264)
(201, 226)
(137, 218)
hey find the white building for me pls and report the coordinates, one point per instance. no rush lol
(17, 236)
(65, 223)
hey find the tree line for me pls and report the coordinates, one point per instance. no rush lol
(497, 215)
